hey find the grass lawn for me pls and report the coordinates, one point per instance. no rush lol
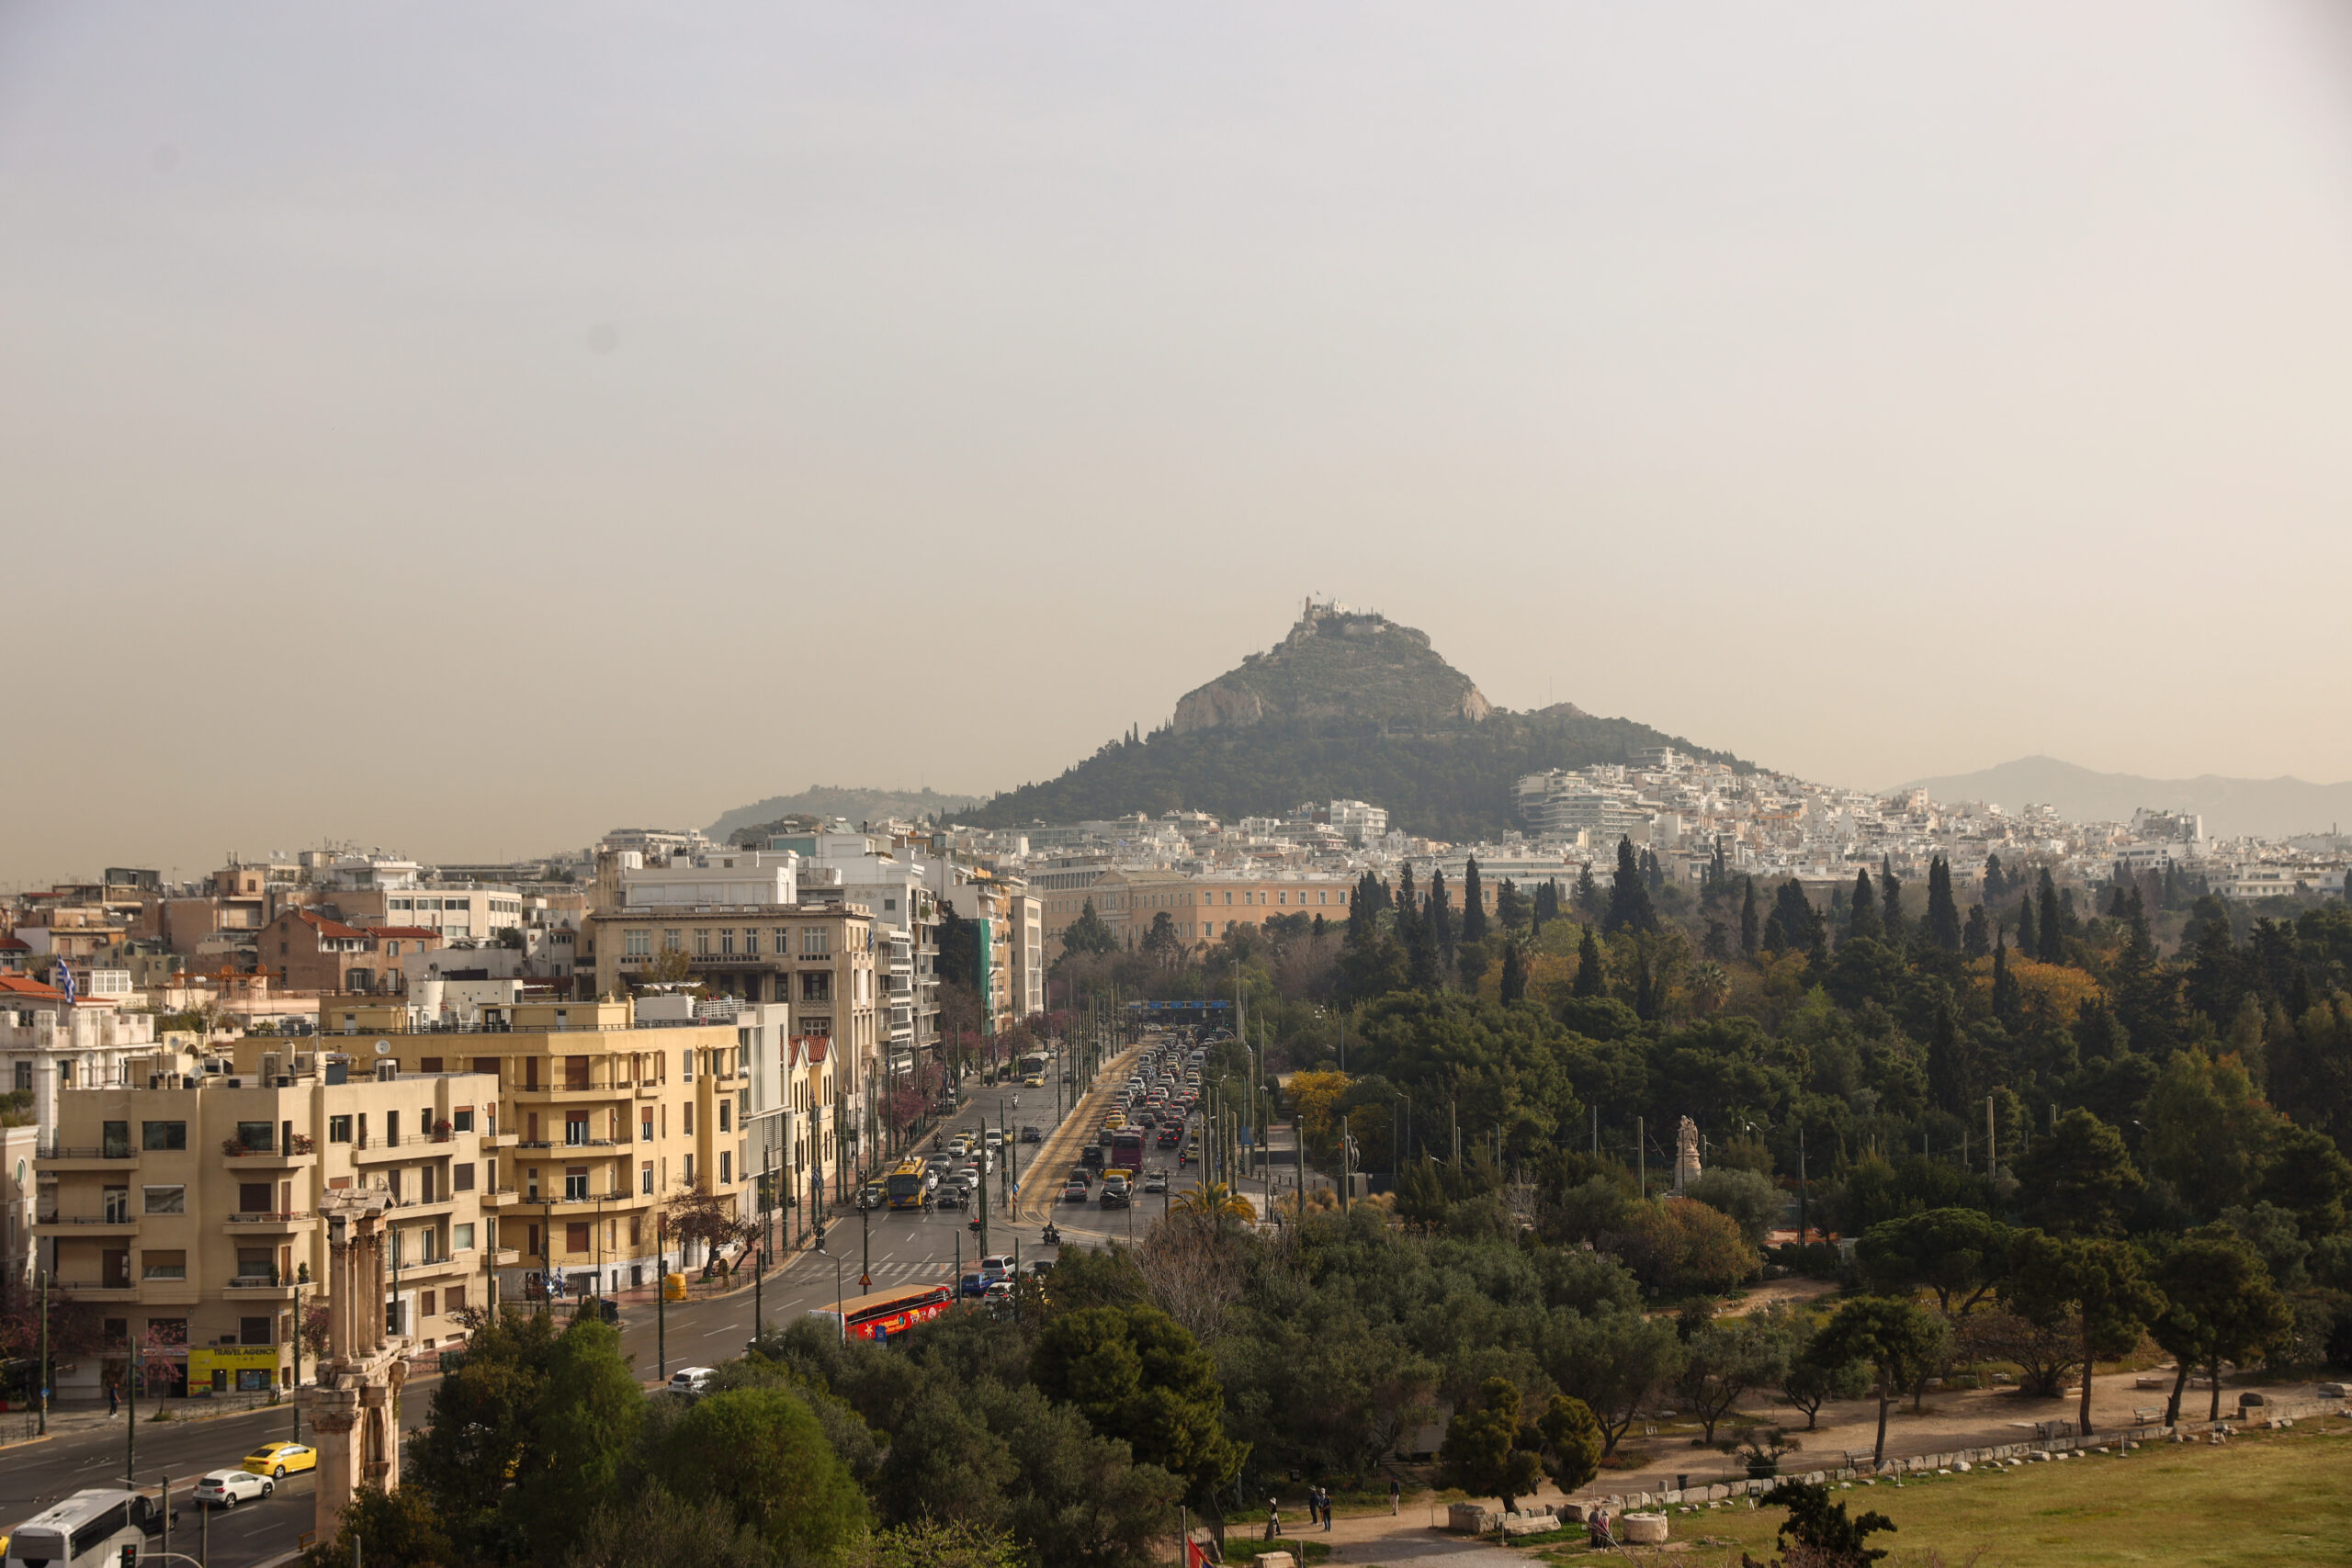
(2268, 1498)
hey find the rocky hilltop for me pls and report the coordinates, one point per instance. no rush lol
(1340, 665)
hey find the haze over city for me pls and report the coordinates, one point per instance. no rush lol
(464, 429)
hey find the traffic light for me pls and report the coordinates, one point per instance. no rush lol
(129, 1554)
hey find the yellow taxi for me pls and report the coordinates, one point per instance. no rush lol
(1114, 1122)
(275, 1459)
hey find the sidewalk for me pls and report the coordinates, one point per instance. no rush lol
(18, 1427)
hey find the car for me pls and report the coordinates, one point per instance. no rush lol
(227, 1488)
(951, 1195)
(968, 1178)
(1170, 1135)
(993, 1139)
(1117, 1193)
(1156, 1182)
(277, 1459)
(971, 1285)
(1037, 1267)
(1074, 1192)
(872, 1196)
(692, 1380)
(1031, 1135)
(996, 1266)
(1034, 1080)
(998, 1290)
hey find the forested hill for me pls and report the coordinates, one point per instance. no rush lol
(1450, 782)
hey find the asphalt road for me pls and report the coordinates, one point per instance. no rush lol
(892, 1248)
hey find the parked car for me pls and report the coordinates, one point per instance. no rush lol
(276, 1461)
(227, 1488)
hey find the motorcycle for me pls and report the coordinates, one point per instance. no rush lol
(1053, 1235)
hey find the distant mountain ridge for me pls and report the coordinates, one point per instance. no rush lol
(1349, 706)
(2269, 808)
(854, 805)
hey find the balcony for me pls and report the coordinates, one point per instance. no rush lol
(270, 1157)
(84, 1224)
(113, 1156)
(259, 1224)
(257, 1287)
(497, 1197)
(92, 1291)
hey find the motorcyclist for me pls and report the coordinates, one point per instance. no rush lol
(1053, 1235)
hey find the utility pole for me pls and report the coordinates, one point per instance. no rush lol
(1802, 1186)
(1990, 1145)
(41, 1372)
(662, 1298)
(1642, 1156)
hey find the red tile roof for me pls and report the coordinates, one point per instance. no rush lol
(11, 945)
(327, 928)
(420, 933)
(19, 985)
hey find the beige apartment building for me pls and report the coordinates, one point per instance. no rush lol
(1201, 909)
(184, 1207)
(605, 1117)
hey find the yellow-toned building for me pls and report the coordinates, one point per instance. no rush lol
(1201, 908)
(605, 1116)
(182, 1206)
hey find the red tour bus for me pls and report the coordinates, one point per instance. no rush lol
(886, 1314)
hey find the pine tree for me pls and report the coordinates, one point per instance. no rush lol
(2051, 948)
(2115, 901)
(1750, 930)
(2029, 939)
(1514, 982)
(1629, 899)
(1589, 981)
(1510, 906)
(1889, 903)
(1977, 940)
(1996, 881)
(1474, 905)
(1801, 923)
(1861, 919)
(1943, 915)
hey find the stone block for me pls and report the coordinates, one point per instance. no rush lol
(1642, 1529)
(1468, 1518)
(1530, 1524)
(1276, 1560)
(2329, 1391)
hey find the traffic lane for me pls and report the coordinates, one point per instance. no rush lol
(41, 1474)
(253, 1532)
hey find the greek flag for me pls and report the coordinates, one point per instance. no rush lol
(64, 978)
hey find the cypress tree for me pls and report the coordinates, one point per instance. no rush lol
(1750, 930)
(1890, 902)
(1721, 872)
(1948, 1075)
(1801, 923)
(1440, 920)
(1589, 981)
(1629, 899)
(1587, 894)
(2136, 914)
(1408, 911)
(2005, 992)
(1997, 881)
(2115, 901)
(1943, 915)
(1776, 933)
(1514, 981)
(2029, 939)
(1474, 904)
(1977, 940)
(1861, 918)
(2052, 948)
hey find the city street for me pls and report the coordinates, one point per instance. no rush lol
(895, 1248)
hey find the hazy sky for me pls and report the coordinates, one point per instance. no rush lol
(464, 428)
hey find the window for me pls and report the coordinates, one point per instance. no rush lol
(430, 1065)
(24, 1077)
(645, 1125)
(164, 1265)
(575, 1072)
(456, 1295)
(645, 1178)
(690, 1120)
(253, 1198)
(256, 1263)
(816, 986)
(686, 1066)
(461, 1177)
(117, 1204)
(575, 1237)
(462, 1119)
(425, 1305)
(255, 1135)
(163, 1135)
(816, 940)
(575, 1181)
(461, 1238)
(532, 1243)
(690, 1170)
(670, 939)
(114, 1138)
(751, 941)
(702, 941)
(726, 1167)
(255, 1330)
(724, 1106)
(637, 944)
(164, 1201)
(338, 1129)
(575, 1128)
(727, 942)
(114, 1330)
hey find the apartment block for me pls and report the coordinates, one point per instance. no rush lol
(606, 1116)
(184, 1207)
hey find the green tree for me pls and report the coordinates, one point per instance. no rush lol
(1943, 914)
(1571, 1437)
(1089, 933)
(1135, 1374)
(2219, 1305)
(2080, 1178)
(1629, 897)
(1514, 977)
(2207, 1130)
(483, 1432)
(584, 1430)
(1893, 1336)
(1861, 909)
(1615, 1361)
(1960, 1254)
(389, 1529)
(2053, 945)
(1750, 929)
(1590, 980)
(1474, 904)
(1817, 1532)
(1749, 1197)
(1721, 1363)
(1482, 1454)
(2098, 1284)
(763, 1454)
(1587, 894)
(651, 1528)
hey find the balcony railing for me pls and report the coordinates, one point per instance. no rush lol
(291, 1216)
(300, 1144)
(109, 1151)
(86, 1220)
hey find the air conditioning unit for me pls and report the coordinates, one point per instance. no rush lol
(236, 1083)
(387, 1071)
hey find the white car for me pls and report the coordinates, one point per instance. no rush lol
(227, 1488)
(692, 1380)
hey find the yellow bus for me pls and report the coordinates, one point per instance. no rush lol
(907, 1186)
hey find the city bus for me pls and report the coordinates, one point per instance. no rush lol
(906, 1186)
(886, 1314)
(85, 1530)
(1126, 1150)
(1033, 1068)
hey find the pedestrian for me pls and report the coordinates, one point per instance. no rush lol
(1273, 1520)
(1312, 1515)
(1396, 1496)
(114, 1400)
(1596, 1528)
(1323, 1500)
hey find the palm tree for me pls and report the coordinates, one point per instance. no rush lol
(1215, 1200)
